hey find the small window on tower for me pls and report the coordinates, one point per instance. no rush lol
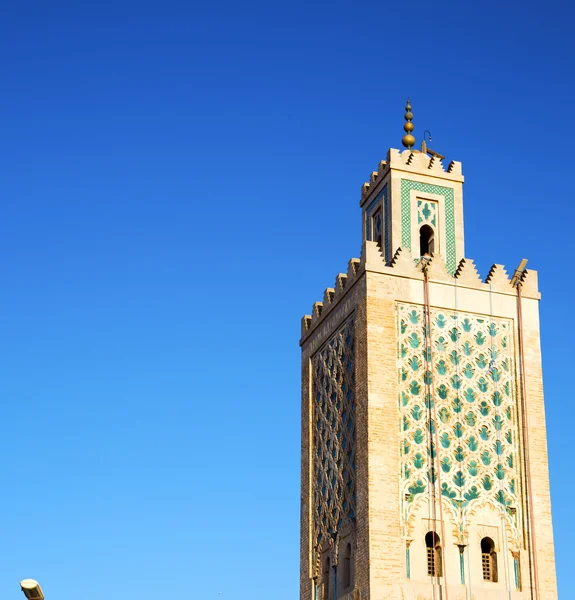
(377, 227)
(426, 240)
(325, 579)
(347, 567)
(488, 559)
(434, 566)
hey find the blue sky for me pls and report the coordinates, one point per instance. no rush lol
(179, 184)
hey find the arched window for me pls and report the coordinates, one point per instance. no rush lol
(488, 559)
(346, 564)
(325, 579)
(377, 227)
(426, 240)
(434, 566)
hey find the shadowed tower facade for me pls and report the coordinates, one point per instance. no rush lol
(424, 452)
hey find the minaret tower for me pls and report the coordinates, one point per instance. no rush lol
(424, 452)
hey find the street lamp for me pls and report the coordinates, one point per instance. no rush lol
(32, 589)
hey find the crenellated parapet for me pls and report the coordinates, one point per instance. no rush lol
(404, 265)
(332, 296)
(414, 162)
(467, 274)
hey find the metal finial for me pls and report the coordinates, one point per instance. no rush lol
(408, 140)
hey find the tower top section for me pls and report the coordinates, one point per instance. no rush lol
(412, 163)
(414, 202)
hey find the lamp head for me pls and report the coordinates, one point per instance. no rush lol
(32, 589)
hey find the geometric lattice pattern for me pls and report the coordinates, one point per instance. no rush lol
(458, 416)
(432, 563)
(333, 388)
(486, 566)
(447, 193)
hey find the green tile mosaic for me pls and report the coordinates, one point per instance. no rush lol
(426, 212)
(450, 248)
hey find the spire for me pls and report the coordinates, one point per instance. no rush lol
(408, 140)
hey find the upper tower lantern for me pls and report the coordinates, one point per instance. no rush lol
(413, 202)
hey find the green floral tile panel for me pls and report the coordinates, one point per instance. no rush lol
(458, 414)
(427, 212)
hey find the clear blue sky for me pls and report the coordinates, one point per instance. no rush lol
(179, 183)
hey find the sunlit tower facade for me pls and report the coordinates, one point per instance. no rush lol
(424, 450)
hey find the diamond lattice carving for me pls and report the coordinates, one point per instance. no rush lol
(333, 391)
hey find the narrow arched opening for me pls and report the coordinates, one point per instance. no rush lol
(325, 579)
(434, 562)
(426, 240)
(488, 559)
(346, 575)
(377, 227)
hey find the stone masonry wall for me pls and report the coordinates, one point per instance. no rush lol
(373, 291)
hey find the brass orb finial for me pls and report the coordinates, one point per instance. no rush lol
(408, 140)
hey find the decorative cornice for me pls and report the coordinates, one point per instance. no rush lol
(411, 162)
(403, 265)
